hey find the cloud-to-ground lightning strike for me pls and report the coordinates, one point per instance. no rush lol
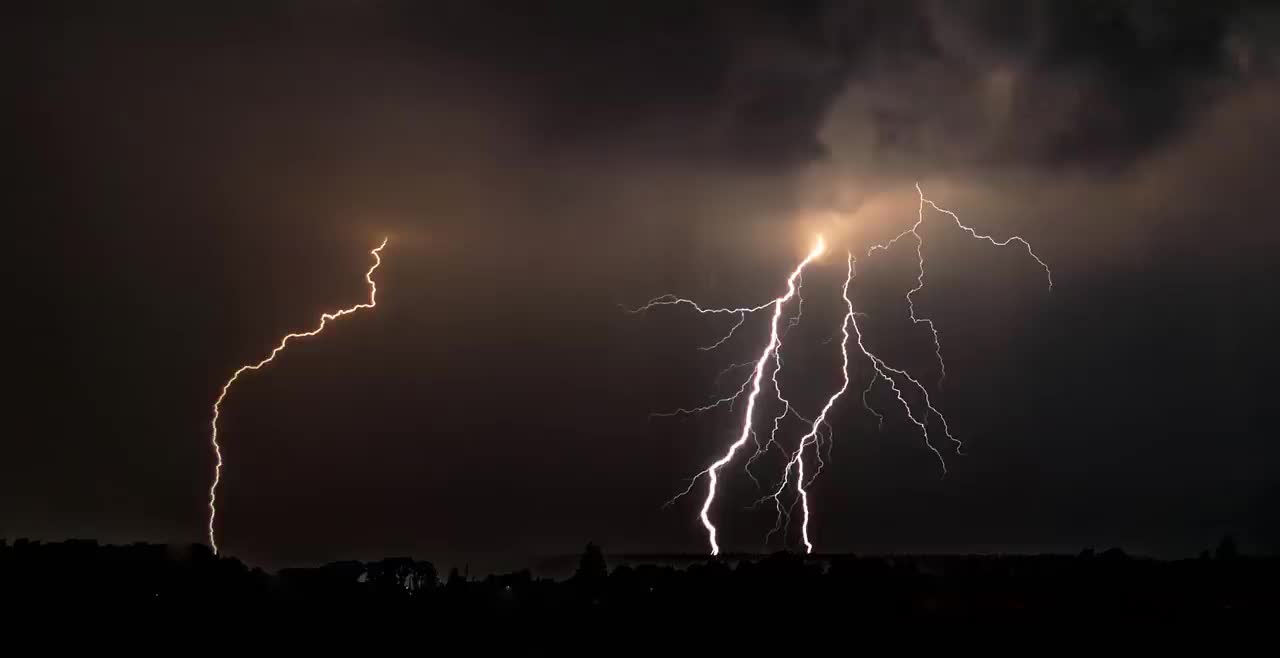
(756, 380)
(226, 388)
(712, 471)
(811, 438)
(897, 379)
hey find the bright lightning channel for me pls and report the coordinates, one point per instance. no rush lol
(898, 379)
(226, 388)
(756, 381)
(811, 438)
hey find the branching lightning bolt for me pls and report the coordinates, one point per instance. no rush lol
(226, 388)
(689, 411)
(712, 471)
(811, 438)
(756, 381)
(914, 231)
(881, 367)
(673, 300)
(901, 382)
(867, 405)
(742, 317)
(787, 408)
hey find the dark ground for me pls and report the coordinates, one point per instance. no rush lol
(1106, 584)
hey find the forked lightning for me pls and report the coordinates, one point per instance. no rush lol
(898, 379)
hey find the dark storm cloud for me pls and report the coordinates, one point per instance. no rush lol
(1049, 84)
(746, 86)
(740, 86)
(1101, 115)
(1042, 84)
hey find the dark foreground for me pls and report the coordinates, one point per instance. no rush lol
(966, 586)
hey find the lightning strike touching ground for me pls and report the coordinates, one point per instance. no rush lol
(757, 379)
(902, 383)
(812, 437)
(226, 388)
(770, 349)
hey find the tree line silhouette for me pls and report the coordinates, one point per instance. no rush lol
(961, 585)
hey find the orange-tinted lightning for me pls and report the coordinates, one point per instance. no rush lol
(217, 405)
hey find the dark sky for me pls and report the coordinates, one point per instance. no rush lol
(193, 180)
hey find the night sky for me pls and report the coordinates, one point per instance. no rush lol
(190, 181)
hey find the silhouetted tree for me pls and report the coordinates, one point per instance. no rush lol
(1114, 554)
(592, 574)
(591, 565)
(401, 575)
(424, 576)
(1226, 549)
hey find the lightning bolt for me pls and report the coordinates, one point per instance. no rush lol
(226, 388)
(712, 471)
(756, 380)
(914, 231)
(881, 369)
(787, 410)
(903, 384)
(811, 438)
